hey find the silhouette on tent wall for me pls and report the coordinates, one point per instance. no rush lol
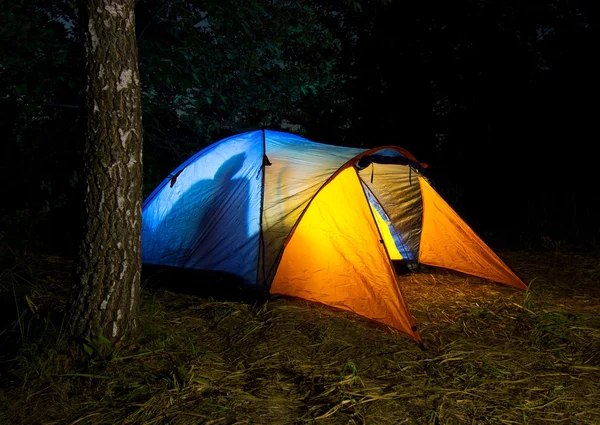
(207, 227)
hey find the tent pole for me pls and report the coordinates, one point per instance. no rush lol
(260, 266)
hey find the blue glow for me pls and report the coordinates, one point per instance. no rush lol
(209, 217)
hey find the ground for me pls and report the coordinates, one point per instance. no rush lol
(491, 355)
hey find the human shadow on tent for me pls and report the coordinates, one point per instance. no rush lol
(206, 233)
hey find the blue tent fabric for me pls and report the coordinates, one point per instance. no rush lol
(225, 209)
(210, 217)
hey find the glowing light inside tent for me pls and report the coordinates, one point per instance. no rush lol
(397, 248)
(209, 218)
(335, 257)
(388, 239)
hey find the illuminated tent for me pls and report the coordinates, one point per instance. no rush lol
(310, 220)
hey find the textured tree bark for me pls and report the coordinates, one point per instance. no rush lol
(107, 278)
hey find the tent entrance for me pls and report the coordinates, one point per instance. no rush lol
(398, 250)
(335, 257)
(400, 255)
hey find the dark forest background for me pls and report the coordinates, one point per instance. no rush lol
(499, 97)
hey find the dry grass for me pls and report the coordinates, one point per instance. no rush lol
(493, 355)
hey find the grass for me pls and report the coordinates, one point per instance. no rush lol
(493, 355)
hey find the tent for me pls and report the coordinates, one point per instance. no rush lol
(310, 220)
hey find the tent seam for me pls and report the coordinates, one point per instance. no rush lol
(261, 239)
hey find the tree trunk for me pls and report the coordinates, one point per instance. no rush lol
(107, 277)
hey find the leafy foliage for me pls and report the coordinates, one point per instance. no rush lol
(40, 61)
(224, 67)
(206, 72)
(475, 88)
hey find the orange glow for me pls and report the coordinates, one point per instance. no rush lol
(335, 257)
(447, 241)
